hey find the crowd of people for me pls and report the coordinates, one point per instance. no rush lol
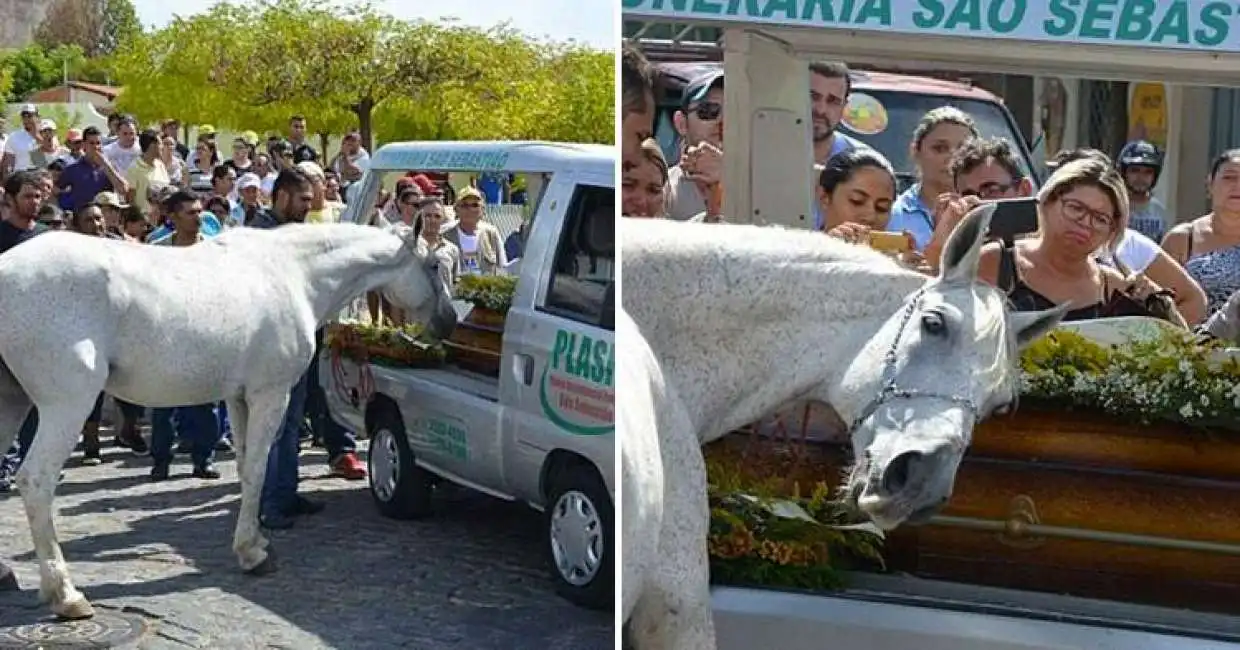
(1103, 243)
(145, 187)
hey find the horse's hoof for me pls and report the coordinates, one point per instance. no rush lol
(264, 568)
(74, 611)
(8, 582)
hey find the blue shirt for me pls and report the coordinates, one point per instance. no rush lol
(910, 214)
(492, 187)
(85, 181)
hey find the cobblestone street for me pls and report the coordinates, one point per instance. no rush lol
(156, 557)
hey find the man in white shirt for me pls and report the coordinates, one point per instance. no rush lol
(18, 145)
(353, 159)
(125, 151)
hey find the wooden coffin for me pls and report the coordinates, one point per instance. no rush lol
(476, 347)
(1072, 503)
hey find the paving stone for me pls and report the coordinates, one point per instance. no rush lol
(156, 557)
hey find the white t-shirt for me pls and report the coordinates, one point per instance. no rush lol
(1136, 251)
(122, 158)
(19, 144)
(469, 253)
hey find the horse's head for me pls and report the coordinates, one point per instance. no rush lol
(419, 289)
(947, 359)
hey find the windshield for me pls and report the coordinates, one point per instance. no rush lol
(903, 111)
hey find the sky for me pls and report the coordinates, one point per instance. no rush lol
(589, 21)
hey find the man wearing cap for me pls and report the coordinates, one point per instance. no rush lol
(249, 195)
(73, 140)
(90, 175)
(482, 248)
(700, 124)
(148, 171)
(20, 143)
(111, 206)
(49, 148)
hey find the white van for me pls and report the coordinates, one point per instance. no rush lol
(542, 431)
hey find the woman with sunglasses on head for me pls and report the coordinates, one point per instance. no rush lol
(1083, 208)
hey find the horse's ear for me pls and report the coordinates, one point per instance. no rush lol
(1030, 326)
(964, 245)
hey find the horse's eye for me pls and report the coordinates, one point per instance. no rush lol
(1003, 409)
(933, 323)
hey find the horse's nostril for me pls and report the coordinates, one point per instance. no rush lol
(900, 470)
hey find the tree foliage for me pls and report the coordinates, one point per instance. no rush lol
(359, 68)
(98, 27)
(35, 67)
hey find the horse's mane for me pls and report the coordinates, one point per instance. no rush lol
(308, 240)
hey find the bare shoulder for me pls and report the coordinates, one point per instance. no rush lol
(988, 263)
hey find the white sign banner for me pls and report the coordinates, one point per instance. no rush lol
(1202, 25)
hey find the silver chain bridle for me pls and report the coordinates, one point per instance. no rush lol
(889, 390)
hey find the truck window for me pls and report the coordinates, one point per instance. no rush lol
(580, 287)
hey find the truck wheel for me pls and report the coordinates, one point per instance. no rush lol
(401, 489)
(578, 519)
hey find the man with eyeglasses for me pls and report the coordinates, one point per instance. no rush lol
(700, 170)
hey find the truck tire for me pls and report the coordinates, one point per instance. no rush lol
(401, 489)
(578, 522)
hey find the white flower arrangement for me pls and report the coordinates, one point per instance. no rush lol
(1172, 377)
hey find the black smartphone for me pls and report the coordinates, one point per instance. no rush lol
(1014, 217)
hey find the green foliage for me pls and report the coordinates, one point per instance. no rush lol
(492, 292)
(384, 344)
(764, 532)
(1171, 377)
(359, 68)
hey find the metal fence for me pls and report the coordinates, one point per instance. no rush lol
(1104, 115)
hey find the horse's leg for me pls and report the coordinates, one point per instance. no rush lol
(59, 425)
(673, 612)
(14, 405)
(263, 414)
(238, 414)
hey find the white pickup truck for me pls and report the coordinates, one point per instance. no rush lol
(542, 431)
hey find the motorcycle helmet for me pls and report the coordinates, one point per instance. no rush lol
(1140, 153)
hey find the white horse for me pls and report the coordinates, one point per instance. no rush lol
(728, 323)
(232, 318)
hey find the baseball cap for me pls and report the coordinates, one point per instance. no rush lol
(698, 88)
(47, 124)
(206, 129)
(29, 109)
(470, 193)
(248, 180)
(73, 135)
(110, 199)
(425, 184)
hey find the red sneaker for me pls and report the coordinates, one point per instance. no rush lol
(349, 466)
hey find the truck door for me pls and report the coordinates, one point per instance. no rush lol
(560, 362)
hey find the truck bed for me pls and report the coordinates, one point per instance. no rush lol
(885, 612)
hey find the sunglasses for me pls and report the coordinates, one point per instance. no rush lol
(990, 190)
(707, 111)
(471, 205)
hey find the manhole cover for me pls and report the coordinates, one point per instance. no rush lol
(105, 630)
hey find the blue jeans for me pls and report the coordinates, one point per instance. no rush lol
(336, 439)
(195, 424)
(12, 461)
(280, 486)
(221, 415)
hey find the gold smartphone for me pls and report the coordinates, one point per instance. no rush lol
(890, 242)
